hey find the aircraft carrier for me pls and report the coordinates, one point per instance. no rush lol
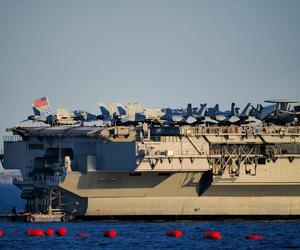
(130, 161)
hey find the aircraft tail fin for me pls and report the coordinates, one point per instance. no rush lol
(233, 109)
(104, 111)
(246, 111)
(217, 108)
(202, 109)
(189, 110)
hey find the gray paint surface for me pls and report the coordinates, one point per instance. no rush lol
(15, 155)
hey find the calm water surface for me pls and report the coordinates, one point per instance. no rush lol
(147, 235)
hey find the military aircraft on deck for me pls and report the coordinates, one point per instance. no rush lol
(178, 116)
(280, 112)
(82, 115)
(132, 113)
(223, 117)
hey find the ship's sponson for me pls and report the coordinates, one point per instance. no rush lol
(116, 132)
(47, 131)
(125, 131)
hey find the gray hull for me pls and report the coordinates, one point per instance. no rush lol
(186, 171)
(180, 194)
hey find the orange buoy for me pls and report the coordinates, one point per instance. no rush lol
(49, 232)
(62, 231)
(175, 233)
(1, 233)
(30, 232)
(39, 232)
(212, 235)
(254, 237)
(82, 235)
(111, 233)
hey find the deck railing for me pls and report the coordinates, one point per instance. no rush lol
(12, 138)
(241, 130)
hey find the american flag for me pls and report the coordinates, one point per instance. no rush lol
(41, 107)
(43, 101)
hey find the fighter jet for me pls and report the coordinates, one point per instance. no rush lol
(199, 114)
(170, 117)
(82, 115)
(246, 117)
(189, 115)
(116, 113)
(223, 117)
(179, 116)
(134, 114)
(105, 113)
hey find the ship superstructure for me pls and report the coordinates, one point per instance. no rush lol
(172, 164)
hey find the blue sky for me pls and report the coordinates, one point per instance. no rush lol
(158, 53)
